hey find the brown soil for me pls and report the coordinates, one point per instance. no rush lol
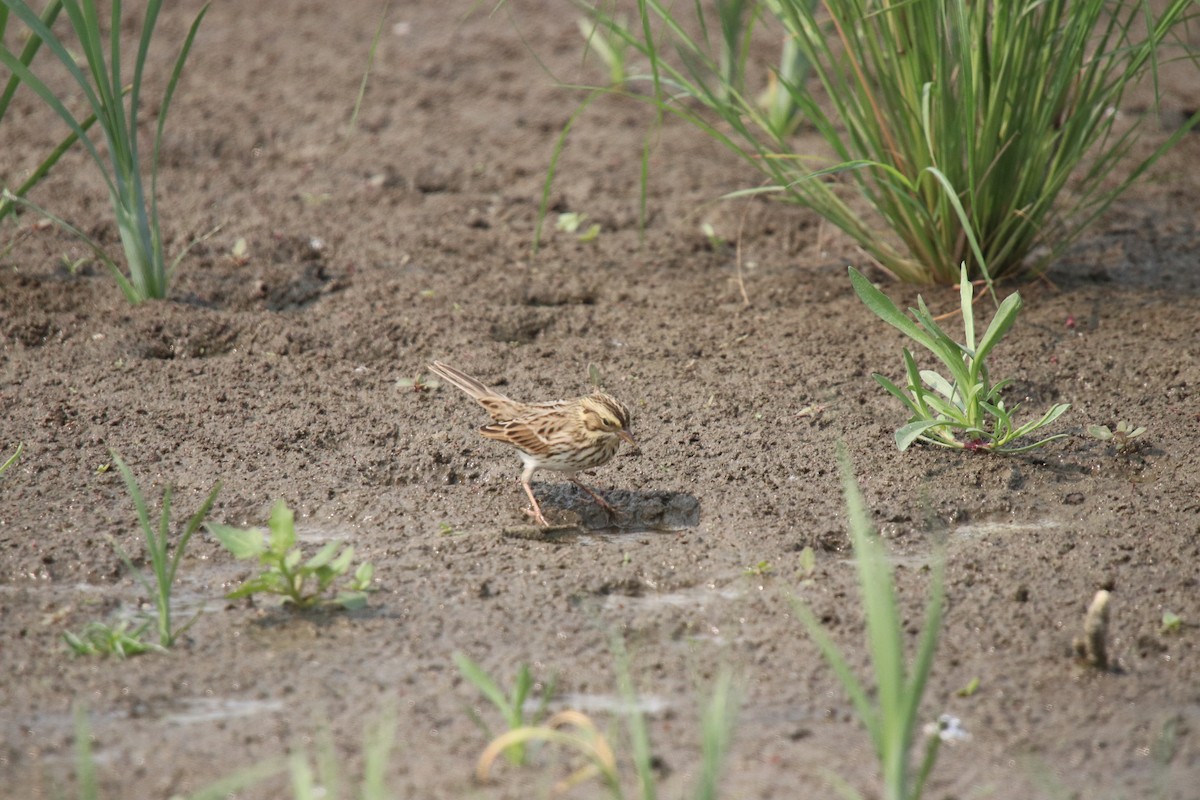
(277, 374)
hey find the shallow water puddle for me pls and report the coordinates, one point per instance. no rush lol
(922, 555)
(695, 597)
(216, 709)
(607, 703)
(1002, 527)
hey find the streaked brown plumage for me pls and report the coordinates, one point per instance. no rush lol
(564, 436)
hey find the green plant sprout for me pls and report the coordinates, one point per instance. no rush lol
(1122, 436)
(418, 384)
(101, 639)
(711, 237)
(808, 563)
(761, 569)
(965, 411)
(891, 713)
(12, 459)
(1171, 623)
(511, 706)
(98, 638)
(163, 563)
(304, 584)
(579, 733)
(326, 781)
(88, 787)
(103, 89)
(571, 221)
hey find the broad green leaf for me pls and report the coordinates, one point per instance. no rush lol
(292, 559)
(283, 528)
(323, 556)
(351, 601)
(940, 385)
(243, 543)
(342, 563)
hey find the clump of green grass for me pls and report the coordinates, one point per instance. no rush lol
(104, 91)
(164, 556)
(302, 583)
(323, 778)
(892, 713)
(103, 639)
(966, 410)
(579, 733)
(1005, 111)
(511, 705)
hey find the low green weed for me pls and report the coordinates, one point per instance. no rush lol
(578, 732)
(302, 583)
(891, 713)
(99, 638)
(325, 782)
(511, 705)
(163, 563)
(1123, 436)
(88, 787)
(966, 410)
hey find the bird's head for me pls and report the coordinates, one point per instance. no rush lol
(606, 415)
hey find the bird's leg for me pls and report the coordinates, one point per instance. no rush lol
(534, 510)
(600, 501)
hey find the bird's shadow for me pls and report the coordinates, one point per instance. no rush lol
(633, 510)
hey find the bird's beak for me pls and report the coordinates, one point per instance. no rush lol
(627, 436)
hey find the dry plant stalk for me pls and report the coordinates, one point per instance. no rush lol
(1092, 646)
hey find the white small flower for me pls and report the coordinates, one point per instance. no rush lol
(947, 728)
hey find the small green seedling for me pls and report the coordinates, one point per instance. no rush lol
(808, 563)
(971, 688)
(511, 706)
(163, 564)
(1122, 436)
(304, 584)
(966, 411)
(760, 569)
(570, 222)
(715, 242)
(99, 639)
(12, 459)
(418, 384)
(1171, 622)
(891, 711)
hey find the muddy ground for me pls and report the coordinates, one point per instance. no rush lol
(278, 371)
